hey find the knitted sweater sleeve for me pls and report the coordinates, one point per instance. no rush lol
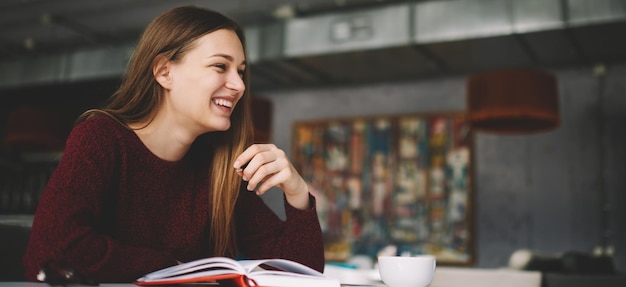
(70, 218)
(261, 234)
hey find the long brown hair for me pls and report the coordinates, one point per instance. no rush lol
(171, 35)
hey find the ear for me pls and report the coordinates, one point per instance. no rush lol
(161, 71)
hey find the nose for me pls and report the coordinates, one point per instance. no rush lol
(235, 82)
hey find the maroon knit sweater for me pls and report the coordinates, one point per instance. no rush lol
(114, 211)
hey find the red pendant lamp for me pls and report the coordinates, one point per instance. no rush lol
(513, 102)
(38, 128)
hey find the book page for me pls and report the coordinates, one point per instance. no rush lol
(282, 264)
(212, 266)
(287, 273)
(290, 273)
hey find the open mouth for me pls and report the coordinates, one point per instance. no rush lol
(223, 103)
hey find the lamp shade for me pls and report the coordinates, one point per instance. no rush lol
(513, 101)
(37, 129)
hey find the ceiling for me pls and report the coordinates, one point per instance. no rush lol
(297, 43)
(38, 25)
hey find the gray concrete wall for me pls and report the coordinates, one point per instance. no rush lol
(539, 191)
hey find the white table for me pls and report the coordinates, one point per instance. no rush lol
(444, 277)
(447, 277)
(34, 284)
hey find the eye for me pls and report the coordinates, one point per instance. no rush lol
(221, 67)
(241, 73)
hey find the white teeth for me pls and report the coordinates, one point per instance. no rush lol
(223, 102)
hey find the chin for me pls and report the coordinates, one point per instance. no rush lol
(220, 127)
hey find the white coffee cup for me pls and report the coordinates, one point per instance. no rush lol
(407, 271)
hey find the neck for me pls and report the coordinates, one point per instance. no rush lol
(164, 138)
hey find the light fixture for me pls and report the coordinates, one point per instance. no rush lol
(515, 101)
(283, 12)
(37, 129)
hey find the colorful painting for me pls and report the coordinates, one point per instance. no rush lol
(400, 181)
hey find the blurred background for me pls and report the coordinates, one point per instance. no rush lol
(553, 191)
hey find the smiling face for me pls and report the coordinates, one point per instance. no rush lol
(203, 88)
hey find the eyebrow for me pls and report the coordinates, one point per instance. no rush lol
(227, 57)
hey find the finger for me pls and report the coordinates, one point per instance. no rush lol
(244, 158)
(273, 180)
(267, 154)
(274, 165)
(259, 174)
(256, 163)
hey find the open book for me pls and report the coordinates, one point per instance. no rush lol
(243, 273)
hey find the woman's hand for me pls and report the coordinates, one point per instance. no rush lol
(263, 166)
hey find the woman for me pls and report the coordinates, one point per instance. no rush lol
(163, 173)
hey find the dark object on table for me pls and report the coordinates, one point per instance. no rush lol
(58, 274)
(570, 262)
(581, 263)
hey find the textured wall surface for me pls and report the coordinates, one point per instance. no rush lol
(542, 191)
